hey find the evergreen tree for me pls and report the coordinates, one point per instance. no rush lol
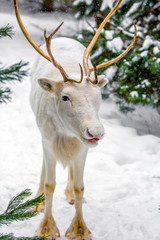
(136, 78)
(11, 73)
(17, 210)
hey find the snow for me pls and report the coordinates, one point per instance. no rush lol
(116, 44)
(106, 3)
(145, 83)
(156, 50)
(110, 72)
(109, 3)
(88, 2)
(109, 34)
(135, 59)
(158, 60)
(144, 53)
(147, 43)
(134, 94)
(133, 8)
(76, 2)
(122, 174)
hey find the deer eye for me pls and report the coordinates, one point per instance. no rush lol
(66, 98)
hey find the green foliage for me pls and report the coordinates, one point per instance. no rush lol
(142, 86)
(6, 31)
(137, 76)
(11, 73)
(85, 9)
(11, 237)
(80, 7)
(17, 210)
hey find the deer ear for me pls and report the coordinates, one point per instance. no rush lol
(46, 84)
(102, 81)
(50, 85)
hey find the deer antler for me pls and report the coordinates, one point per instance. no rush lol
(55, 63)
(92, 43)
(120, 56)
(35, 45)
(48, 45)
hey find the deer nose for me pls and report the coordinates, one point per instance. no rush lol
(95, 133)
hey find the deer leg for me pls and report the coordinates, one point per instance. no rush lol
(48, 226)
(40, 207)
(42, 179)
(78, 229)
(69, 192)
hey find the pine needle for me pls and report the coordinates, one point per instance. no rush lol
(11, 237)
(10, 74)
(13, 72)
(6, 31)
(17, 208)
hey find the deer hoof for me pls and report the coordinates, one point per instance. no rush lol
(71, 202)
(48, 227)
(39, 208)
(78, 230)
(70, 197)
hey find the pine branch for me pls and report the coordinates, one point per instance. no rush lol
(147, 12)
(10, 74)
(17, 209)
(31, 238)
(11, 237)
(13, 72)
(7, 237)
(6, 31)
(5, 95)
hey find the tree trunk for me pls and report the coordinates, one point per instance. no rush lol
(66, 5)
(47, 5)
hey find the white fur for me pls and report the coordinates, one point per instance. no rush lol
(66, 126)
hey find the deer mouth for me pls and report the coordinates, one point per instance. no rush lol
(94, 140)
(91, 142)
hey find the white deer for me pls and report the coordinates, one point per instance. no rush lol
(66, 111)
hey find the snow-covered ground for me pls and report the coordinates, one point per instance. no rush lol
(122, 175)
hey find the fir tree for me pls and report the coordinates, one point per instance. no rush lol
(12, 73)
(137, 75)
(17, 210)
